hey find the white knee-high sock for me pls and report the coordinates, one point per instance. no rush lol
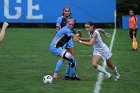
(115, 71)
(101, 69)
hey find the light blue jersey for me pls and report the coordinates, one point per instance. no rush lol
(61, 38)
(61, 22)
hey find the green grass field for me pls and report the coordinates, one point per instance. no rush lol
(25, 58)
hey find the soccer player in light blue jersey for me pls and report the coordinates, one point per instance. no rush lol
(62, 37)
(61, 22)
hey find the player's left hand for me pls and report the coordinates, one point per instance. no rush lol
(79, 33)
(107, 35)
(76, 39)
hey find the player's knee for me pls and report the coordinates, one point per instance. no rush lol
(73, 61)
(71, 51)
(94, 64)
(66, 55)
(109, 62)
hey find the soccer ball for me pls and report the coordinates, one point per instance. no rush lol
(47, 79)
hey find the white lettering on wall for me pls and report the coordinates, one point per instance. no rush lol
(7, 10)
(32, 7)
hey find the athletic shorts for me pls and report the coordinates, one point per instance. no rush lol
(70, 44)
(105, 53)
(131, 33)
(56, 51)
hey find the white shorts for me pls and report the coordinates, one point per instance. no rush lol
(104, 53)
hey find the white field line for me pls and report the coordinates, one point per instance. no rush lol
(100, 75)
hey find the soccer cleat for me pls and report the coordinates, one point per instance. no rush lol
(116, 74)
(67, 77)
(117, 77)
(75, 78)
(108, 75)
(55, 75)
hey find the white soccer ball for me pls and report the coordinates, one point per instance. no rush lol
(47, 79)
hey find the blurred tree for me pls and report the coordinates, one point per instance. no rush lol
(123, 7)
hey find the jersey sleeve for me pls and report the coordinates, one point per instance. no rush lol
(96, 31)
(69, 32)
(58, 22)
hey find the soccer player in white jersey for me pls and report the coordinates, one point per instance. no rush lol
(100, 49)
(2, 33)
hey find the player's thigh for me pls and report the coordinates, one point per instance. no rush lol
(65, 54)
(56, 51)
(70, 47)
(95, 59)
(72, 51)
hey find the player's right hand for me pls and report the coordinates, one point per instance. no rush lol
(76, 39)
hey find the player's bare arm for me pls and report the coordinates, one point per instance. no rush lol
(91, 42)
(84, 39)
(58, 28)
(104, 32)
(2, 33)
(75, 37)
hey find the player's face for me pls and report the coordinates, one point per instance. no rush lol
(67, 12)
(88, 27)
(70, 24)
(131, 13)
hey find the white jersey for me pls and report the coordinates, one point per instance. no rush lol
(99, 47)
(98, 44)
